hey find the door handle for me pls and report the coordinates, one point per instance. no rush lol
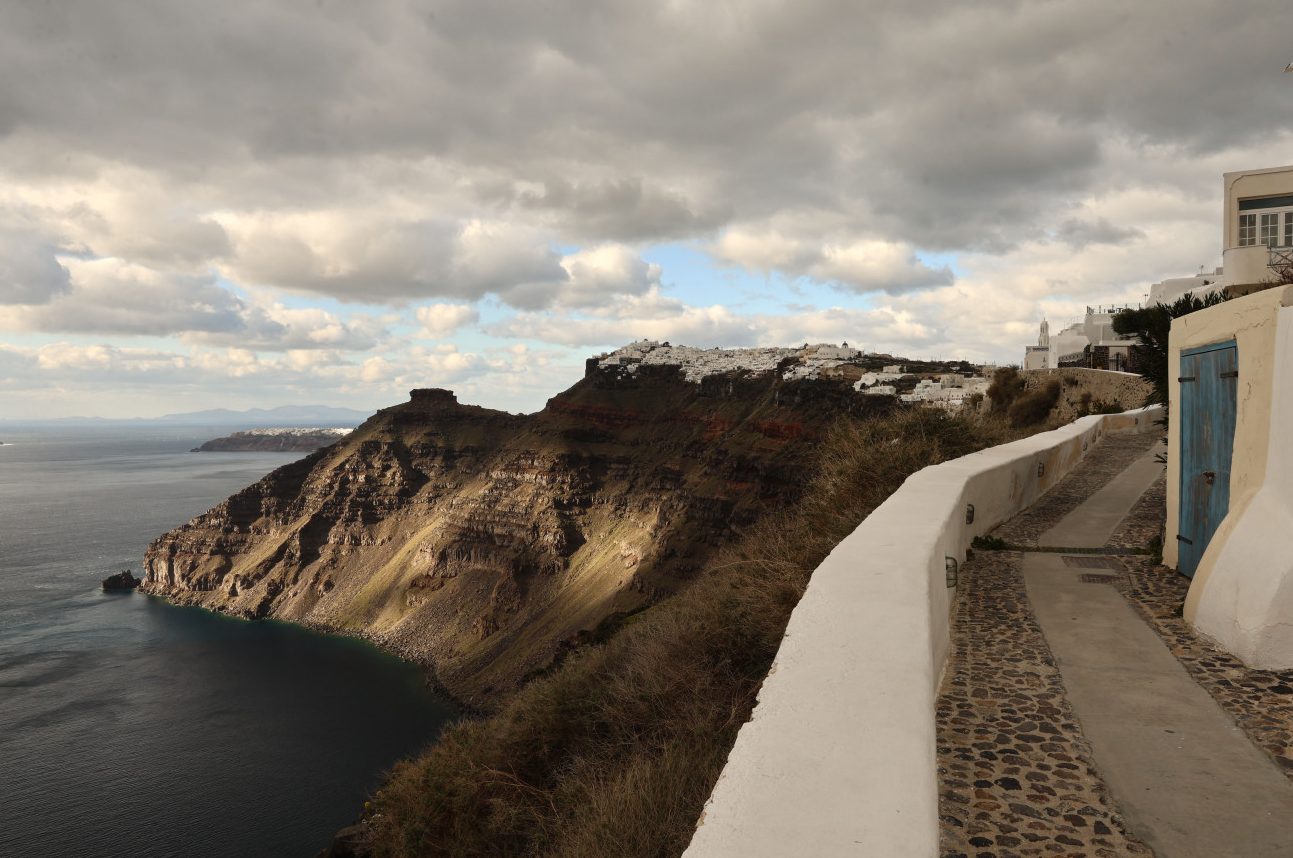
(1210, 477)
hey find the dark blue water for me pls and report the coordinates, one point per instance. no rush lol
(129, 727)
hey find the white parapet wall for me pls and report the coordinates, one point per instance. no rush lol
(838, 758)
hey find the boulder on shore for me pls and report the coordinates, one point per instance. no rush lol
(355, 841)
(121, 581)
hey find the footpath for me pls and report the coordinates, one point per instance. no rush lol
(1080, 717)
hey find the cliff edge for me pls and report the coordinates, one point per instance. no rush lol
(485, 544)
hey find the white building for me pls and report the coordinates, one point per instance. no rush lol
(1257, 228)
(1090, 342)
(1257, 250)
(1199, 286)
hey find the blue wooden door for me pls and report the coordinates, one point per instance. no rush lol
(1209, 391)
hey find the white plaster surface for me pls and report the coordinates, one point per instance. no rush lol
(839, 756)
(1245, 602)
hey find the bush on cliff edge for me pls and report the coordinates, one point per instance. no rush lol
(616, 751)
(1033, 407)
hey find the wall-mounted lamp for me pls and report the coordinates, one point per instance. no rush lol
(969, 513)
(1041, 468)
(949, 564)
(1084, 443)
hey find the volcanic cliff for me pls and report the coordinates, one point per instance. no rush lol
(485, 544)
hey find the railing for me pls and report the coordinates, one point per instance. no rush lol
(1281, 262)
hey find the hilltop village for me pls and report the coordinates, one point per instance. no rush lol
(943, 384)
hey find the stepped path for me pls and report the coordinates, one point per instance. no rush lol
(1080, 717)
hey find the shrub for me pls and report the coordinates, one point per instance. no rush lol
(1153, 325)
(1035, 406)
(614, 752)
(1007, 385)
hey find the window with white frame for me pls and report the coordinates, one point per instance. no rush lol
(1266, 221)
(1269, 229)
(1247, 230)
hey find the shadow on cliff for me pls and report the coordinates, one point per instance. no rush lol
(614, 752)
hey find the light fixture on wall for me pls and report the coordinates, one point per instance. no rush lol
(949, 565)
(969, 513)
(1041, 468)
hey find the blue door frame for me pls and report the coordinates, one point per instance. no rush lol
(1209, 382)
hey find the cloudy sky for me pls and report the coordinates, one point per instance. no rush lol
(247, 203)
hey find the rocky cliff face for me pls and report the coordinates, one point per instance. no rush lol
(485, 543)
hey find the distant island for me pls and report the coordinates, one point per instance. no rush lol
(274, 440)
(282, 415)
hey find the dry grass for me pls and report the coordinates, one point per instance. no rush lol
(615, 752)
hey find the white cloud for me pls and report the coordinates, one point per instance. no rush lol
(113, 296)
(862, 265)
(441, 320)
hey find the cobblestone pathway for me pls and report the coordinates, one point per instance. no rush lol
(1260, 701)
(1115, 454)
(1015, 770)
(1016, 773)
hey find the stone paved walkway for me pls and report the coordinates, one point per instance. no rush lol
(1016, 771)
(1019, 776)
(1260, 701)
(1110, 458)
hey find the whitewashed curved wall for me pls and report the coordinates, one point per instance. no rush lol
(839, 756)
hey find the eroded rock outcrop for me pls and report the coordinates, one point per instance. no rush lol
(484, 543)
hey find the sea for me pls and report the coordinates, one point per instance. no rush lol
(132, 727)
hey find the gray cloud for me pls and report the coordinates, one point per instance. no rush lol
(30, 273)
(1080, 233)
(108, 296)
(406, 152)
(948, 125)
(622, 209)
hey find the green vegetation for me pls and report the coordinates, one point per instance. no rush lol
(614, 752)
(1153, 325)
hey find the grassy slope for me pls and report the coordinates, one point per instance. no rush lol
(615, 752)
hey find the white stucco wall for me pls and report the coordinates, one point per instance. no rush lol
(1199, 285)
(839, 756)
(1246, 184)
(1242, 592)
(1069, 341)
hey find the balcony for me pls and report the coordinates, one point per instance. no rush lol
(1256, 265)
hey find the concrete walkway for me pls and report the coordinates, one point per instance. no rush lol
(1186, 778)
(1096, 518)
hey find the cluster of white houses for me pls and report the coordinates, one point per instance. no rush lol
(948, 390)
(823, 360)
(1257, 249)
